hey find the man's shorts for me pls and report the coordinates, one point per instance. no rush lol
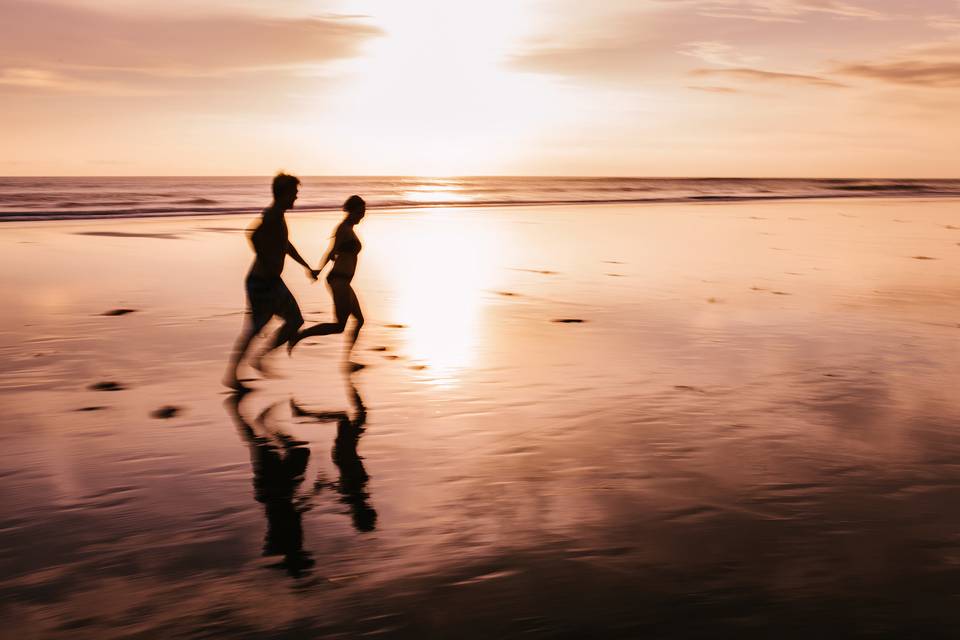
(268, 297)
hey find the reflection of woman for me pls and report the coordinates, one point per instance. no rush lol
(343, 252)
(352, 485)
(277, 474)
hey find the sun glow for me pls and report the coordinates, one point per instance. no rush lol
(436, 86)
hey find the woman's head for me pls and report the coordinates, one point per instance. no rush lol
(355, 207)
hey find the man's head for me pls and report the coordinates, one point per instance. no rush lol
(285, 189)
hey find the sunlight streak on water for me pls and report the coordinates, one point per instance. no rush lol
(443, 318)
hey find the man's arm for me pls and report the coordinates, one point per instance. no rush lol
(293, 253)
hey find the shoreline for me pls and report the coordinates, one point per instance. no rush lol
(18, 217)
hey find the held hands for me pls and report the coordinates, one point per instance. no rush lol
(313, 274)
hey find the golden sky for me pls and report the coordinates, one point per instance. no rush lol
(807, 88)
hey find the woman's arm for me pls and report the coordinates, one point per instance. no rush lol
(332, 250)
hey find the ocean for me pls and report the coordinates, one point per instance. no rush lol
(77, 198)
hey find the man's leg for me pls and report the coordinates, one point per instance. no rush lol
(288, 309)
(251, 327)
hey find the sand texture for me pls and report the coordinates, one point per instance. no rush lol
(716, 420)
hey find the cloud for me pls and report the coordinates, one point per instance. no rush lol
(934, 65)
(783, 10)
(718, 53)
(610, 60)
(44, 36)
(714, 89)
(46, 80)
(759, 75)
(911, 72)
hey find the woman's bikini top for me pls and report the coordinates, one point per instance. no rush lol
(350, 246)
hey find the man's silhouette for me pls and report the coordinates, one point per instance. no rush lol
(279, 463)
(267, 295)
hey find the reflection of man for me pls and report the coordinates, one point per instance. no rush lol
(352, 485)
(267, 295)
(277, 474)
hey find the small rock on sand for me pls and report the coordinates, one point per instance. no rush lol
(396, 326)
(106, 386)
(922, 258)
(166, 412)
(118, 312)
(91, 408)
(569, 320)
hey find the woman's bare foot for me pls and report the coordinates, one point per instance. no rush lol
(291, 343)
(353, 367)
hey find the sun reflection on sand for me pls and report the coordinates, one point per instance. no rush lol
(440, 283)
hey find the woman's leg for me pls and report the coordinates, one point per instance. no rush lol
(342, 298)
(358, 317)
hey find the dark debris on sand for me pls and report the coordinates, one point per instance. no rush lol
(165, 412)
(543, 272)
(569, 320)
(922, 258)
(396, 326)
(124, 234)
(90, 409)
(118, 312)
(106, 386)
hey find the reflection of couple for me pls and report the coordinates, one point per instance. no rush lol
(279, 463)
(268, 296)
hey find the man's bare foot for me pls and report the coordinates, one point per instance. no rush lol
(259, 363)
(353, 367)
(234, 383)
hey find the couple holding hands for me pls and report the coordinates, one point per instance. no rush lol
(268, 296)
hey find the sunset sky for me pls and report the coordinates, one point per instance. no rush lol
(807, 88)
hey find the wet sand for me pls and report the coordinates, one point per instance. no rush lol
(734, 420)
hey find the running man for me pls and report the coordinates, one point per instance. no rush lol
(267, 295)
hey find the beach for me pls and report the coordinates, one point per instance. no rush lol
(611, 420)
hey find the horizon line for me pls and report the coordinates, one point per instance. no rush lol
(469, 176)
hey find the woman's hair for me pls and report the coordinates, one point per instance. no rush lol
(354, 204)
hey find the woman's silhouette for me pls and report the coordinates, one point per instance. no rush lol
(352, 485)
(344, 249)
